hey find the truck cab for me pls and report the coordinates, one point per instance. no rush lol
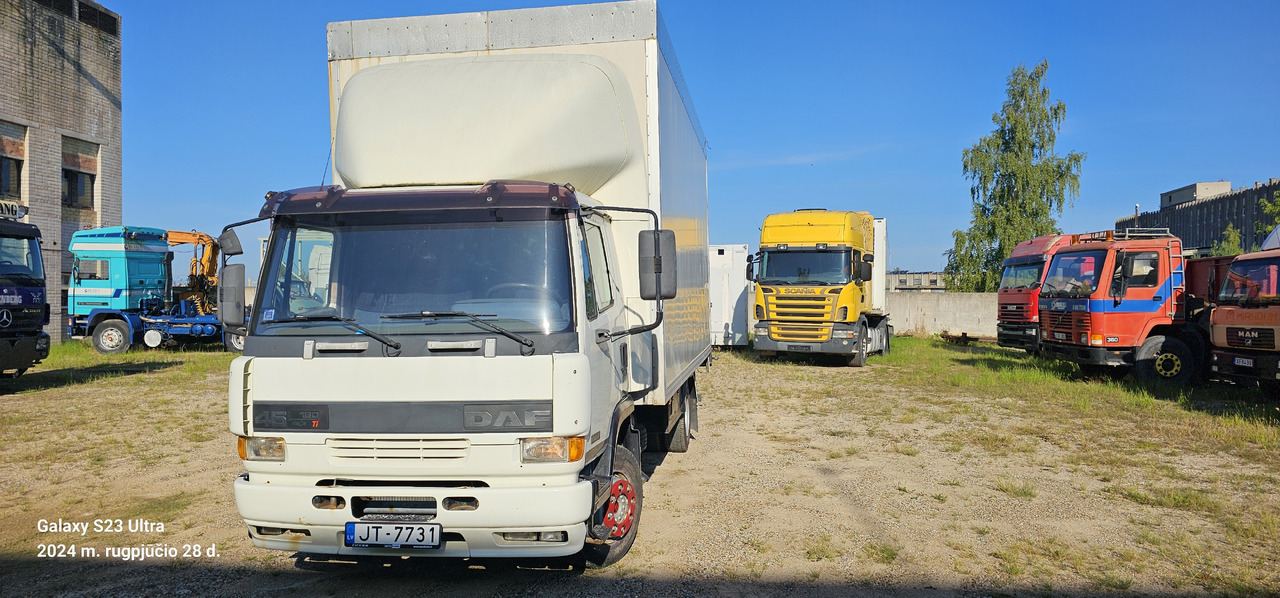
(1245, 321)
(1018, 318)
(1116, 300)
(820, 286)
(24, 307)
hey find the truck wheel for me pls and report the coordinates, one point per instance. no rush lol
(233, 342)
(111, 336)
(622, 515)
(859, 357)
(678, 440)
(1165, 358)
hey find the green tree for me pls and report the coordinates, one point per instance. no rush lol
(1017, 183)
(1230, 243)
(1270, 216)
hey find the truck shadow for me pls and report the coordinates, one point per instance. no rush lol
(61, 378)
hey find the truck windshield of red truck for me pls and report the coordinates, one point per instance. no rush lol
(1022, 276)
(826, 267)
(1252, 282)
(512, 271)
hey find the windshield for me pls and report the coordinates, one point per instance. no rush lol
(20, 263)
(507, 269)
(1021, 276)
(1252, 282)
(804, 267)
(1073, 274)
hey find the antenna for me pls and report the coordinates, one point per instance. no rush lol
(330, 158)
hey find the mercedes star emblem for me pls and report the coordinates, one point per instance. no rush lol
(6, 318)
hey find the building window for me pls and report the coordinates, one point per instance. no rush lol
(65, 7)
(10, 178)
(99, 19)
(77, 189)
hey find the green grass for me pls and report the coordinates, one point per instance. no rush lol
(881, 552)
(821, 548)
(1016, 489)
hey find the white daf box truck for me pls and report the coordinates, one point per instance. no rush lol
(462, 348)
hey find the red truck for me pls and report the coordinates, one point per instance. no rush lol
(1018, 319)
(1129, 299)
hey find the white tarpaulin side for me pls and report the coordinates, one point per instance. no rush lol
(564, 118)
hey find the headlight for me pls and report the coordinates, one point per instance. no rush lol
(261, 448)
(762, 332)
(42, 343)
(841, 333)
(557, 449)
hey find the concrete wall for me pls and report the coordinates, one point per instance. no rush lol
(60, 92)
(932, 313)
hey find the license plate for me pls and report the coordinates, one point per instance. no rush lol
(798, 347)
(1244, 362)
(1062, 336)
(393, 535)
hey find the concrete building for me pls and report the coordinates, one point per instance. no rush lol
(928, 282)
(1199, 213)
(60, 98)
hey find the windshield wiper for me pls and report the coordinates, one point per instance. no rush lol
(434, 315)
(350, 323)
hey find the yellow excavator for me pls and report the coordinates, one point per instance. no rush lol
(202, 284)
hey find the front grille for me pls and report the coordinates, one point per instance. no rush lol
(1065, 326)
(1015, 312)
(397, 450)
(803, 334)
(25, 319)
(1251, 338)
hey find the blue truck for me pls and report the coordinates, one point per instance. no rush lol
(121, 290)
(24, 309)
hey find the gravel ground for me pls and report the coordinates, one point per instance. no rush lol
(805, 477)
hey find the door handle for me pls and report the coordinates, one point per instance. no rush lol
(1157, 298)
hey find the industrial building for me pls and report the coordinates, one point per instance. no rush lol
(927, 282)
(1200, 212)
(60, 99)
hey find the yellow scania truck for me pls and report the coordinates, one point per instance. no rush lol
(820, 285)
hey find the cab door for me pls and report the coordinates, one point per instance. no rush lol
(1146, 292)
(606, 351)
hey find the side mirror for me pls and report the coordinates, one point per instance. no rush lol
(751, 269)
(657, 265)
(231, 296)
(229, 243)
(864, 271)
(1126, 266)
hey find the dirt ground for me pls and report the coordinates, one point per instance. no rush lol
(805, 476)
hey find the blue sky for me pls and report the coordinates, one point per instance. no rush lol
(842, 105)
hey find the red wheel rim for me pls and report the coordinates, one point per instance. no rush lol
(621, 512)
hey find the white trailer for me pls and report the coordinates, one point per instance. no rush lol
(730, 300)
(489, 351)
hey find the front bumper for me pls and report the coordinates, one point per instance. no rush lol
(844, 346)
(294, 524)
(21, 352)
(1018, 336)
(1240, 364)
(1086, 355)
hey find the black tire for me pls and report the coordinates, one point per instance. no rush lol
(888, 336)
(233, 342)
(678, 440)
(859, 357)
(111, 337)
(628, 482)
(1165, 359)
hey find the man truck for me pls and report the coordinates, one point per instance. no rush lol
(1245, 320)
(24, 307)
(820, 285)
(1018, 318)
(504, 297)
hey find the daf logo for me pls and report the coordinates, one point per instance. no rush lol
(497, 418)
(6, 318)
